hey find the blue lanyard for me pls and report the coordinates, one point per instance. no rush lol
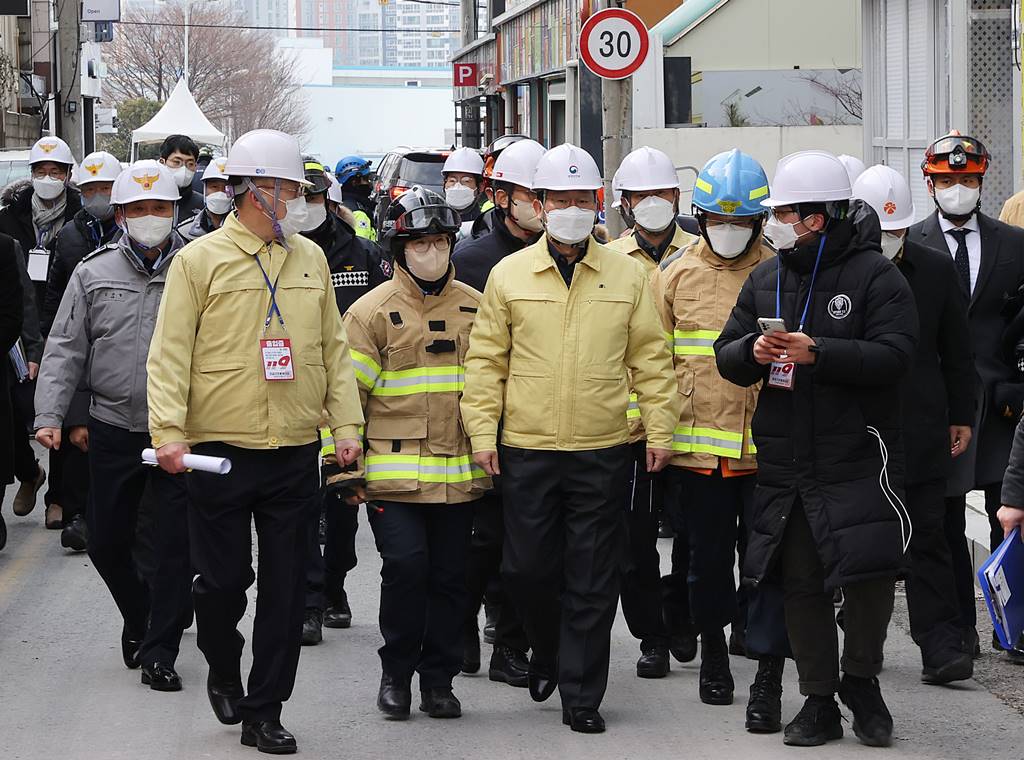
(272, 287)
(810, 291)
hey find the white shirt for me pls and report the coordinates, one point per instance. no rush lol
(973, 243)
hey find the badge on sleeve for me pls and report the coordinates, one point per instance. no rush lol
(782, 375)
(277, 359)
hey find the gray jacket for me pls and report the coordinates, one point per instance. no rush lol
(101, 334)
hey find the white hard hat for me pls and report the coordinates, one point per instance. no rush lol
(50, 149)
(334, 190)
(465, 160)
(854, 166)
(144, 180)
(810, 176)
(96, 167)
(215, 169)
(517, 163)
(646, 169)
(887, 192)
(266, 153)
(566, 167)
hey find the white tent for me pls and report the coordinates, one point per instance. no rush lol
(179, 116)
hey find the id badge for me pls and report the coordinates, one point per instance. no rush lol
(277, 359)
(782, 375)
(38, 264)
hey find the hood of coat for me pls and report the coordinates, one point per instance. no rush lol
(17, 195)
(346, 215)
(859, 232)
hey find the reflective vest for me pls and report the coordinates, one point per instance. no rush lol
(408, 351)
(364, 225)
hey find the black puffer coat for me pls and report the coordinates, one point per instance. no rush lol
(76, 240)
(833, 440)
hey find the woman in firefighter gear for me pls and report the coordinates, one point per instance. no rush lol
(409, 338)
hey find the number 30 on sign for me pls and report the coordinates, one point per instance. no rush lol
(614, 43)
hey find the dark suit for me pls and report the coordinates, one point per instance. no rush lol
(983, 464)
(940, 390)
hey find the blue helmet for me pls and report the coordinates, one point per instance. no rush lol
(351, 166)
(732, 183)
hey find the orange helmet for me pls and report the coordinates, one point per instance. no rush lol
(955, 154)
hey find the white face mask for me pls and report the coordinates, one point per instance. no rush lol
(729, 240)
(570, 225)
(892, 244)
(522, 213)
(183, 176)
(218, 203)
(431, 265)
(460, 197)
(654, 214)
(317, 215)
(297, 213)
(47, 188)
(780, 236)
(958, 200)
(99, 206)
(149, 231)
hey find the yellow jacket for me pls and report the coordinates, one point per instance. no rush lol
(1013, 210)
(205, 366)
(408, 351)
(628, 245)
(695, 293)
(550, 362)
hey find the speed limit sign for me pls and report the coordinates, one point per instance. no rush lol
(614, 43)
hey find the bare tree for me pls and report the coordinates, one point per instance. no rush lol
(239, 78)
(846, 91)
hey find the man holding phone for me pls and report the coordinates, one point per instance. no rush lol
(828, 510)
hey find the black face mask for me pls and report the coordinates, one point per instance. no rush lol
(801, 259)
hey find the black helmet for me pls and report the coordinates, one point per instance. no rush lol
(317, 175)
(415, 213)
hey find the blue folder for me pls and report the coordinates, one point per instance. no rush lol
(1002, 582)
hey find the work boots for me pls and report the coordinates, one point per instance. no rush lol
(716, 684)
(764, 709)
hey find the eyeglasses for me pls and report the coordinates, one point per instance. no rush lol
(287, 193)
(422, 245)
(469, 182)
(60, 174)
(176, 163)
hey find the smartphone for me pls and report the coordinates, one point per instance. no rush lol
(771, 325)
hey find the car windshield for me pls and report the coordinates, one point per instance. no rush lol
(423, 170)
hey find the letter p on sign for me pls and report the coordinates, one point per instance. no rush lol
(466, 74)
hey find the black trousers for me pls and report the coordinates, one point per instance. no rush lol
(810, 616)
(935, 621)
(275, 488)
(73, 472)
(641, 581)
(955, 525)
(423, 587)
(564, 542)
(26, 467)
(483, 573)
(675, 598)
(326, 572)
(708, 514)
(119, 479)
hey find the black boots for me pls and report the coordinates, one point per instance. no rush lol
(764, 709)
(653, 662)
(440, 702)
(872, 722)
(394, 698)
(509, 666)
(818, 721)
(312, 628)
(716, 684)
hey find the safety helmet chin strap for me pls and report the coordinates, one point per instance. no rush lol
(271, 213)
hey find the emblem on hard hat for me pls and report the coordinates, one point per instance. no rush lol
(728, 207)
(47, 147)
(574, 169)
(147, 180)
(93, 169)
(889, 208)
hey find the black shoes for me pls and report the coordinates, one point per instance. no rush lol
(394, 698)
(75, 535)
(224, 694)
(3, 533)
(950, 666)
(764, 708)
(683, 646)
(509, 666)
(542, 679)
(130, 645)
(471, 650)
(653, 662)
(584, 720)
(312, 631)
(338, 614)
(269, 736)
(716, 684)
(491, 613)
(160, 677)
(818, 721)
(440, 702)
(872, 722)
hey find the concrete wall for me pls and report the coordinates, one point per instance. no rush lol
(20, 130)
(694, 146)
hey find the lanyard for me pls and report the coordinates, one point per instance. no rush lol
(272, 287)
(810, 290)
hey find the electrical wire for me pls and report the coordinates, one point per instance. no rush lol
(291, 28)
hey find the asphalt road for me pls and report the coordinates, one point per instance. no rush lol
(64, 692)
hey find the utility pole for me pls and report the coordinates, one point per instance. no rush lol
(616, 133)
(69, 89)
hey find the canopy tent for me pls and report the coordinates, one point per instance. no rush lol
(179, 116)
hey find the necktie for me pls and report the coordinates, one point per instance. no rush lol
(963, 262)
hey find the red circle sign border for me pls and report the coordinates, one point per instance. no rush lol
(631, 18)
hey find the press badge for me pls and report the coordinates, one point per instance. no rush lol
(277, 359)
(782, 375)
(38, 264)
